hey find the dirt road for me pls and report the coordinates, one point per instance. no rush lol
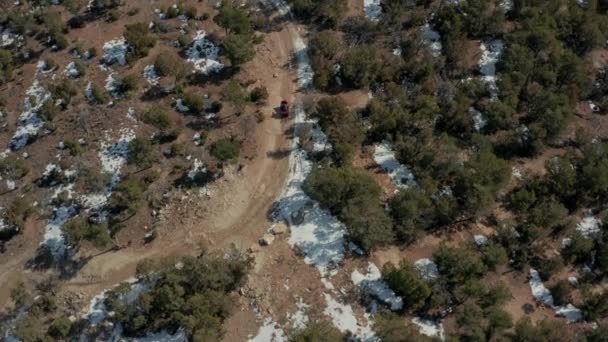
(236, 212)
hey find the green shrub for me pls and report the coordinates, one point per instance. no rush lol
(407, 283)
(64, 91)
(12, 167)
(73, 147)
(225, 149)
(561, 292)
(139, 38)
(79, 229)
(579, 249)
(390, 327)
(167, 63)
(177, 149)
(15, 216)
(233, 92)
(156, 117)
(595, 306)
(342, 126)
(193, 101)
(259, 94)
(127, 197)
(238, 48)
(184, 40)
(113, 16)
(494, 255)
(319, 332)
(97, 95)
(81, 68)
(6, 66)
(133, 11)
(141, 152)
(361, 65)
(48, 111)
(126, 84)
(233, 20)
(458, 265)
(92, 52)
(96, 180)
(355, 197)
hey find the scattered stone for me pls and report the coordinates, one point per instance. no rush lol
(279, 229)
(528, 308)
(267, 240)
(254, 249)
(297, 218)
(179, 265)
(480, 240)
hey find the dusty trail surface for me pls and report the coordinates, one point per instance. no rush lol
(235, 212)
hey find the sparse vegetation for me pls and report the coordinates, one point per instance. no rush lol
(205, 282)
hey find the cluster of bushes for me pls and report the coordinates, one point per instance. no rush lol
(194, 296)
(342, 126)
(180, 9)
(573, 181)
(326, 48)
(477, 304)
(453, 184)
(41, 318)
(353, 196)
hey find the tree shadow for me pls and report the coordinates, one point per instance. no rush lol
(66, 265)
(280, 153)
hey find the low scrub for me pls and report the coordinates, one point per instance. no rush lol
(225, 149)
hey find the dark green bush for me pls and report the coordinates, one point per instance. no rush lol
(156, 117)
(407, 283)
(79, 229)
(225, 149)
(141, 152)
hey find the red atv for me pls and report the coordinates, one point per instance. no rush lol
(284, 109)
